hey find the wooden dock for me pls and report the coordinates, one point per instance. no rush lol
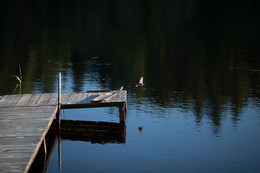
(25, 119)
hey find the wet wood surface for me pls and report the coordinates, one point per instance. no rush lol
(26, 118)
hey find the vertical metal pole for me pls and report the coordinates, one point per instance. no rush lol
(59, 121)
(59, 90)
(59, 99)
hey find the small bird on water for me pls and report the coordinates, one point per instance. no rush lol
(141, 82)
(140, 129)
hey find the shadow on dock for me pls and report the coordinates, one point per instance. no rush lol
(87, 131)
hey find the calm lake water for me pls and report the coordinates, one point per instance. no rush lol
(200, 107)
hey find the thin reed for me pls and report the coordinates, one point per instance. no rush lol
(20, 79)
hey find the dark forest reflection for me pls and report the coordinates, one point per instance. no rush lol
(201, 56)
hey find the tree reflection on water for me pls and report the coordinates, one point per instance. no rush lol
(199, 56)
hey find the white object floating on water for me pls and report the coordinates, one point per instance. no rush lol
(141, 82)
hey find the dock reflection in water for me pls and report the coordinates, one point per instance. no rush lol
(87, 131)
(94, 132)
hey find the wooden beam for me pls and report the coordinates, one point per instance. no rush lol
(87, 105)
(104, 90)
(122, 113)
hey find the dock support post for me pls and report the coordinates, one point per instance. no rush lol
(122, 113)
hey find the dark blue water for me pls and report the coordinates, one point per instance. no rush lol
(167, 144)
(171, 141)
(200, 107)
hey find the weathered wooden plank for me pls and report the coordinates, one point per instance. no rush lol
(72, 98)
(27, 111)
(33, 100)
(22, 130)
(75, 98)
(22, 125)
(67, 98)
(53, 99)
(108, 99)
(87, 97)
(86, 102)
(24, 99)
(80, 97)
(23, 141)
(10, 100)
(14, 100)
(44, 98)
(123, 96)
(64, 97)
(17, 149)
(9, 117)
(102, 97)
(120, 97)
(14, 164)
(5, 98)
